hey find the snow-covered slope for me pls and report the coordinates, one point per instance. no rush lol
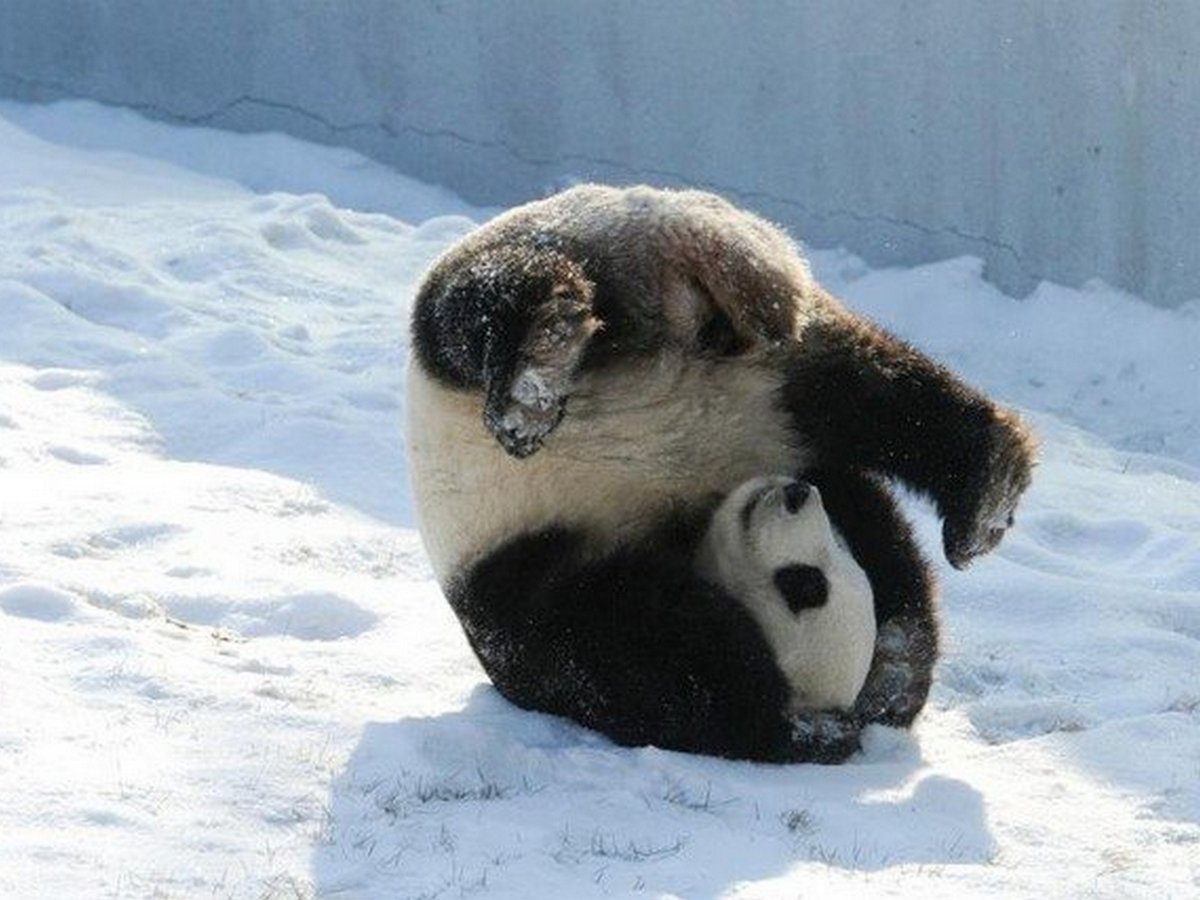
(224, 669)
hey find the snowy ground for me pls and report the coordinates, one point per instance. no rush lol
(224, 669)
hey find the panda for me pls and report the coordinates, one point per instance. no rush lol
(591, 374)
(771, 546)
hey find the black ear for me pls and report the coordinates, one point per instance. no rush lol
(803, 587)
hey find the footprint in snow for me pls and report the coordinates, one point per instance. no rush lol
(40, 602)
(1001, 722)
(1094, 540)
(311, 616)
(75, 456)
(102, 544)
(59, 379)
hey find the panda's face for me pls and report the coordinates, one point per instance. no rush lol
(771, 545)
(772, 533)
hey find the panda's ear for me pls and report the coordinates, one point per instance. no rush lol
(802, 587)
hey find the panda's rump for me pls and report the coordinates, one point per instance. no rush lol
(640, 440)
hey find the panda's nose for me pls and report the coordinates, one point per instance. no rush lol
(794, 495)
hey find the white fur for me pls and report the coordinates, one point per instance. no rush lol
(637, 441)
(824, 652)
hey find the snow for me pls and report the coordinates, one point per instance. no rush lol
(225, 669)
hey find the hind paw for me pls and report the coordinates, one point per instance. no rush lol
(825, 737)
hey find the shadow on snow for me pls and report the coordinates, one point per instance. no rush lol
(523, 804)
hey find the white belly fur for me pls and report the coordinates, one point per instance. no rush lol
(634, 443)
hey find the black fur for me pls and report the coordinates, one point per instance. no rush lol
(802, 587)
(637, 646)
(471, 323)
(902, 415)
(863, 510)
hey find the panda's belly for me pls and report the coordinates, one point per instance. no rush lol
(636, 442)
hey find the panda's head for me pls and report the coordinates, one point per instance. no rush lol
(771, 545)
(513, 319)
(771, 534)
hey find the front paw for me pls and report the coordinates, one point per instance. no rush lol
(984, 511)
(965, 538)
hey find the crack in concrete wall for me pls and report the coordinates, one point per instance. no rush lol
(214, 118)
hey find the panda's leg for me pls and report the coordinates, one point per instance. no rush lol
(746, 269)
(859, 396)
(512, 321)
(639, 648)
(862, 398)
(863, 510)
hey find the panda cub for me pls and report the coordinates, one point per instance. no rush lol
(770, 544)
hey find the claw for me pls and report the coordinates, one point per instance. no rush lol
(965, 541)
(980, 525)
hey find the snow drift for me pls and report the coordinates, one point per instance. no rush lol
(225, 670)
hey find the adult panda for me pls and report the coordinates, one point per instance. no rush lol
(591, 375)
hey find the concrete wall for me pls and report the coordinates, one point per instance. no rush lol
(1055, 139)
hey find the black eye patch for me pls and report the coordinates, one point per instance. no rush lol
(802, 587)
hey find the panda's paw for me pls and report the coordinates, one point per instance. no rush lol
(887, 693)
(980, 518)
(521, 430)
(825, 737)
(532, 408)
(893, 638)
(964, 539)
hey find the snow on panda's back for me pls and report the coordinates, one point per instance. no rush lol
(770, 544)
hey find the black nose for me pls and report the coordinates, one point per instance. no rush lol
(794, 495)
